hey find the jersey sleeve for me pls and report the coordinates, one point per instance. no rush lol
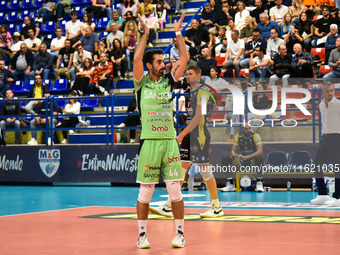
(139, 84)
(257, 139)
(236, 140)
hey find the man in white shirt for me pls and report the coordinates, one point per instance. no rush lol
(273, 44)
(78, 59)
(17, 42)
(73, 28)
(32, 42)
(259, 64)
(151, 22)
(235, 52)
(113, 35)
(328, 146)
(277, 12)
(57, 43)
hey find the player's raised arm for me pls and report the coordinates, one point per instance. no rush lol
(138, 69)
(179, 66)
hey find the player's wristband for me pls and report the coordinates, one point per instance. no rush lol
(178, 33)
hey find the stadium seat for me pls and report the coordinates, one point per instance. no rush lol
(309, 106)
(25, 13)
(103, 22)
(217, 116)
(49, 27)
(14, 5)
(2, 16)
(26, 4)
(103, 34)
(81, 2)
(12, 16)
(270, 93)
(60, 85)
(17, 86)
(300, 158)
(12, 28)
(61, 101)
(33, 14)
(166, 35)
(90, 102)
(294, 95)
(299, 115)
(220, 57)
(3, 5)
(325, 69)
(186, 18)
(80, 11)
(38, 3)
(224, 70)
(244, 72)
(277, 158)
(28, 85)
(49, 83)
(321, 52)
(63, 25)
(190, 5)
(316, 17)
(125, 84)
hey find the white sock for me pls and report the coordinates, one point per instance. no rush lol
(168, 202)
(142, 226)
(215, 203)
(179, 225)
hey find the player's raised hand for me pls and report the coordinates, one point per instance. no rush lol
(143, 26)
(178, 24)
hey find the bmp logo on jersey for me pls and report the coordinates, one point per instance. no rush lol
(49, 161)
(174, 159)
(159, 129)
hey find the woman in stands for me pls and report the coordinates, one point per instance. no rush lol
(6, 37)
(119, 59)
(240, 16)
(160, 14)
(73, 107)
(131, 39)
(247, 31)
(87, 22)
(306, 30)
(215, 80)
(296, 9)
(337, 17)
(84, 78)
(101, 48)
(285, 26)
(130, 6)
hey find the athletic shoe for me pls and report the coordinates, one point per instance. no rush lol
(132, 140)
(32, 142)
(320, 199)
(185, 186)
(120, 126)
(49, 141)
(163, 210)
(64, 141)
(143, 241)
(333, 202)
(150, 45)
(106, 93)
(259, 186)
(229, 187)
(101, 89)
(71, 132)
(203, 186)
(213, 212)
(178, 241)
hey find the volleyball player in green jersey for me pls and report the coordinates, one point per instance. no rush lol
(158, 152)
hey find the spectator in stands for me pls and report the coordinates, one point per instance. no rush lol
(170, 4)
(73, 107)
(281, 67)
(266, 26)
(196, 32)
(142, 7)
(329, 3)
(337, 17)
(151, 22)
(32, 42)
(45, 13)
(240, 16)
(174, 55)
(131, 39)
(296, 9)
(57, 43)
(221, 41)
(311, 8)
(208, 17)
(222, 17)
(78, 59)
(128, 17)
(259, 64)
(89, 40)
(231, 26)
(120, 63)
(334, 62)
(100, 9)
(160, 15)
(277, 12)
(28, 25)
(64, 63)
(21, 63)
(131, 120)
(274, 43)
(196, 50)
(6, 37)
(322, 27)
(6, 77)
(130, 6)
(206, 63)
(42, 64)
(235, 52)
(115, 19)
(331, 39)
(87, 22)
(16, 43)
(101, 48)
(260, 8)
(9, 107)
(306, 30)
(115, 33)
(73, 27)
(250, 47)
(215, 79)
(84, 78)
(293, 38)
(37, 91)
(41, 122)
(286, 24)
(302, 63)
(217, 4)
(260, 100)
(247, 30)
(103, 74)
(62, 9)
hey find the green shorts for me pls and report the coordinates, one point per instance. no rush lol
(159, 156)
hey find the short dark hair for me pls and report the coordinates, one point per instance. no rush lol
(148, 56)
(262, 49)
(73, 13)
(256, 30)
(195, 68)
(58, 27)
(326, 6)
(276, 30)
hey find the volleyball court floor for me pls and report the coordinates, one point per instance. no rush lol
(102, 220)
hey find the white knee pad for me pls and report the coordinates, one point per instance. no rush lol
(174, 190)
(206, 173)
(145, 193)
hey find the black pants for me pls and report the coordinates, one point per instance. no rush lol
(123, 67)
(98, 12)
(328, 149)
(131, 121)
(68, 122)
(151, 35)
(81, 83)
